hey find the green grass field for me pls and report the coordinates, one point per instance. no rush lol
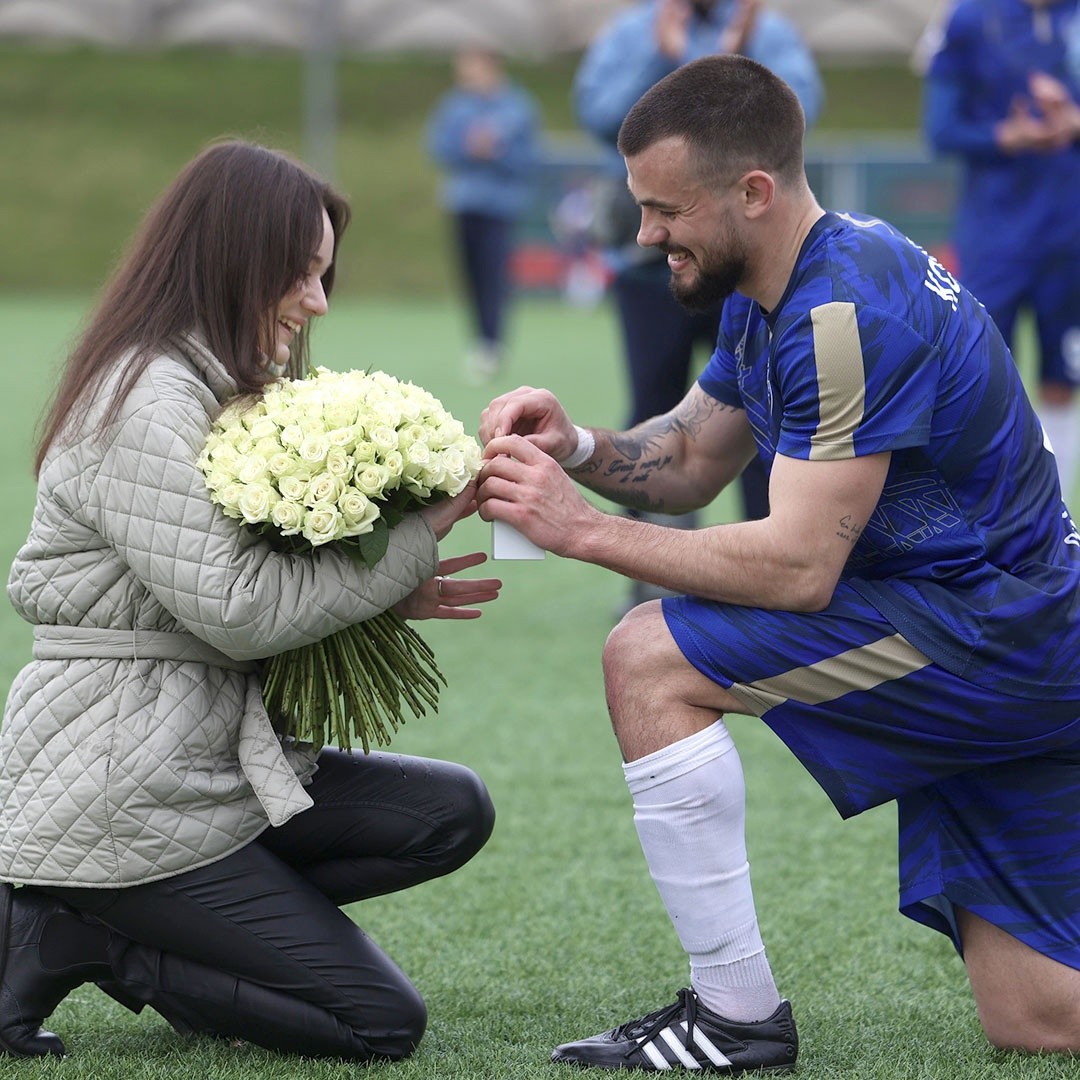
(554, 931)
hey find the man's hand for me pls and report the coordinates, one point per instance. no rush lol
(672, 29)
(482, 141)
(741, 25)
(1053, 100)
(445, 597)
(1025, 132)
(536, 415)
(525, 487)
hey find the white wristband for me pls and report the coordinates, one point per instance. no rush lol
(586, 447)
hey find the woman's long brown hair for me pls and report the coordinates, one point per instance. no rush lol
(234, 232)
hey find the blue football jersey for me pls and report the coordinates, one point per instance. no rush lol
(874, 346)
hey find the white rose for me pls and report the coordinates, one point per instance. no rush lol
(292, 435)
(252, 469)
(224, 455)
(229, 498)
(413, 482)
(454, 461)
(411, 433)
(293, 486)
(395, 464)
(263, 428)
(434, 474)
(372, 479)
(322, 524)
(417, 453)
(363, 451)
(474, 456)
(358, 512)
(338, 462)
(288, 516)
(341, 414)
(342, 437)
(280, 463)
(314, 449)
(256, 502)
(384, 438)
(324, 488)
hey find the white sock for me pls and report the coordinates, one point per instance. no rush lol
(689, 810)
(1062, 426)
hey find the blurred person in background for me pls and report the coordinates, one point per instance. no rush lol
(167, 844)
(1001, 95)
(484, 134)
(637, 48)
(906, 619)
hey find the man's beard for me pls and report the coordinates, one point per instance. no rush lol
(712, 286)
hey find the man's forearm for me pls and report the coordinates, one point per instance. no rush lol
(646, 467)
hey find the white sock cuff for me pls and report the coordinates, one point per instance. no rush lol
(678, 758)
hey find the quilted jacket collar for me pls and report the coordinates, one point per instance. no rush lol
(221, 383)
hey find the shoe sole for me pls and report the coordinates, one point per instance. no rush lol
(785, 1068)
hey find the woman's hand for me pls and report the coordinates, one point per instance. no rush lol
(443, 515)
(446, 597)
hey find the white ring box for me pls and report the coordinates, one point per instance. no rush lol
(508, 543)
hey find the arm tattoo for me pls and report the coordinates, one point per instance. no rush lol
(849, 530)
(687, 419)
(640, 453)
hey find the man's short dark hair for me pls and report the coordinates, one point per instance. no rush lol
(734, 113)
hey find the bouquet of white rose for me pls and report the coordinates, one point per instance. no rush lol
(340, 457)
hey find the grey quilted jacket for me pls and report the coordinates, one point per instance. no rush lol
(135, 744)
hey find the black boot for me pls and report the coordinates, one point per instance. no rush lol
(32, 985)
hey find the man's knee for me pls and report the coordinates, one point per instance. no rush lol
(1026, 1001)
(638, 642)
(1040, 1026)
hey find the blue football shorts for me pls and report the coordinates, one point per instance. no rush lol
(1050, 289)
(987, 786)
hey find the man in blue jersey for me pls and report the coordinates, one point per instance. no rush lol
(1000, 96)
(639, 46)
(906, 619)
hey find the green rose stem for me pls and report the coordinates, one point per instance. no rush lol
(352, 683)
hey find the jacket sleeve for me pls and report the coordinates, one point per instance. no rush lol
(518, 149)
(778, 45)
(948, 125)
(446, 131)
(221, 581)
(619, 66)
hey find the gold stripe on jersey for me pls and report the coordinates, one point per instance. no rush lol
(841, 381)
(861, 668)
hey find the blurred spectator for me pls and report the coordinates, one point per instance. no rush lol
(638, 48)
(572, 222)
(1001, 95)
(483, 133)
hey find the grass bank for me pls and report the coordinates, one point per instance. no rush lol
(91, 138)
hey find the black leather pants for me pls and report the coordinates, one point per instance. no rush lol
(254, 946)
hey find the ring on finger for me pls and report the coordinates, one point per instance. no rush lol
(438, 585)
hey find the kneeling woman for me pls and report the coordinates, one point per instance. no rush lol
(165, 843)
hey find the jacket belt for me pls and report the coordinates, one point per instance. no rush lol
(263, 760)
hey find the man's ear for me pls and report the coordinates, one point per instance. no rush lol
(758, 192)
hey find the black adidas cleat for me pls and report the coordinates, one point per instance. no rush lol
(687, 1035)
